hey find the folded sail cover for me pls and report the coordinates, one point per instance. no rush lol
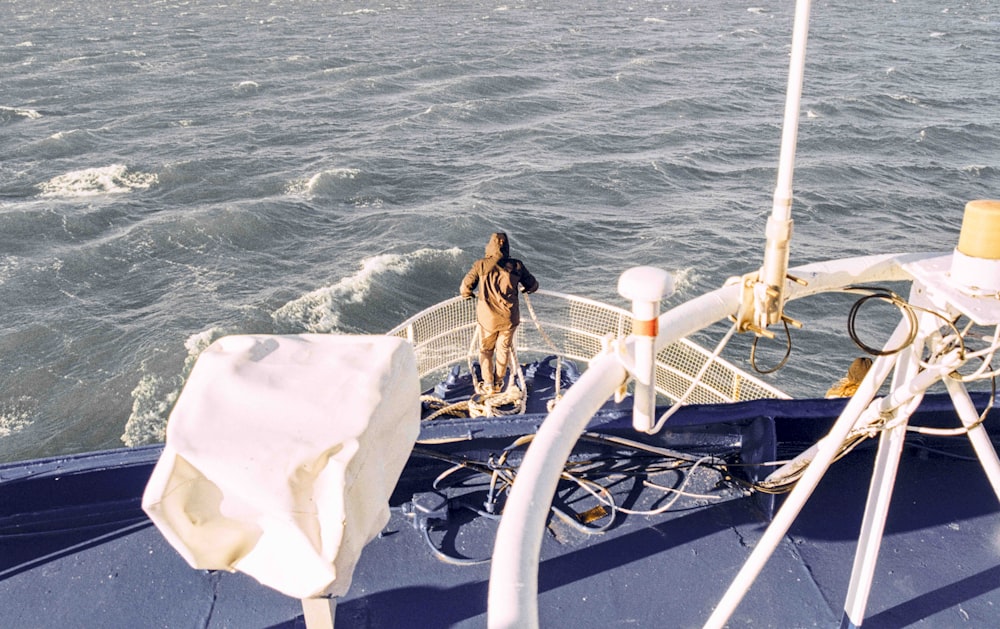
(281, 454)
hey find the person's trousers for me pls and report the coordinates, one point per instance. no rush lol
(496, 344)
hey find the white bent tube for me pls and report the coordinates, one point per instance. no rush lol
(513, 590)
(700, 312)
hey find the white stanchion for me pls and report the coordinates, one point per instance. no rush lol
(645, 286)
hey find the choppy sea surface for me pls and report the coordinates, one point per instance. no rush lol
(173, 171)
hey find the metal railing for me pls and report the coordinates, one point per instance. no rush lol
(576, 328)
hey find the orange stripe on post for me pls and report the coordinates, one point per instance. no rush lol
(648, 327)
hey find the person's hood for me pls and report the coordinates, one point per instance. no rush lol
(498, 246)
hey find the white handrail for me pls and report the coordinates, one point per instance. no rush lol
(513, 589)
(513, 592)
(575, 328)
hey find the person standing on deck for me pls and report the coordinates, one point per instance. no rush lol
(498, 310)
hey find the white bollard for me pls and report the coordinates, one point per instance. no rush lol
(645, 286)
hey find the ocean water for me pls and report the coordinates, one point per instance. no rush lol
(173, 171)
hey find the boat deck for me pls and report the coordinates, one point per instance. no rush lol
(939, 565)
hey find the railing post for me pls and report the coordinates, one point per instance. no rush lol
(645, 286)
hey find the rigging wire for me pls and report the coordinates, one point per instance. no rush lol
(488, 404)
(558, 377)
(696, 380)
(940, 347)
(908, 310)
(502, 474)
(445, 557)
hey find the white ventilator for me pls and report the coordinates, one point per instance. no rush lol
(281, 454)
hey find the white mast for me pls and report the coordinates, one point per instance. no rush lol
(764, 292)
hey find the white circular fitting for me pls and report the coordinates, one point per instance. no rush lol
(645, 283)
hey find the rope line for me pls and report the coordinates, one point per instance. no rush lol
(553, 347)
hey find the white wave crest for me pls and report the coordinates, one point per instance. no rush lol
(247, 87)
(31, 114)
(905, 98)
(321, 181)
(114, 179)
(319, 311)
(154, 396)
(684, 279)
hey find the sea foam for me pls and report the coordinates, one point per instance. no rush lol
(154, 395)
(15, 415)
(8, 113)
(89, 182)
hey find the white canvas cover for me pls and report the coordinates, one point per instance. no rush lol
(281, 454)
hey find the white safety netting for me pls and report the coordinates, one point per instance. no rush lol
(577, 329)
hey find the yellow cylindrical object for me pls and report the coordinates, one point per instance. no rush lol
(980, 235)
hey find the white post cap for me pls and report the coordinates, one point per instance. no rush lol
(645, 283)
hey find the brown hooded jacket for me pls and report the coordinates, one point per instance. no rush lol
(498, 276)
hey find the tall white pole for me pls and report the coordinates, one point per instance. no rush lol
(779, 226)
